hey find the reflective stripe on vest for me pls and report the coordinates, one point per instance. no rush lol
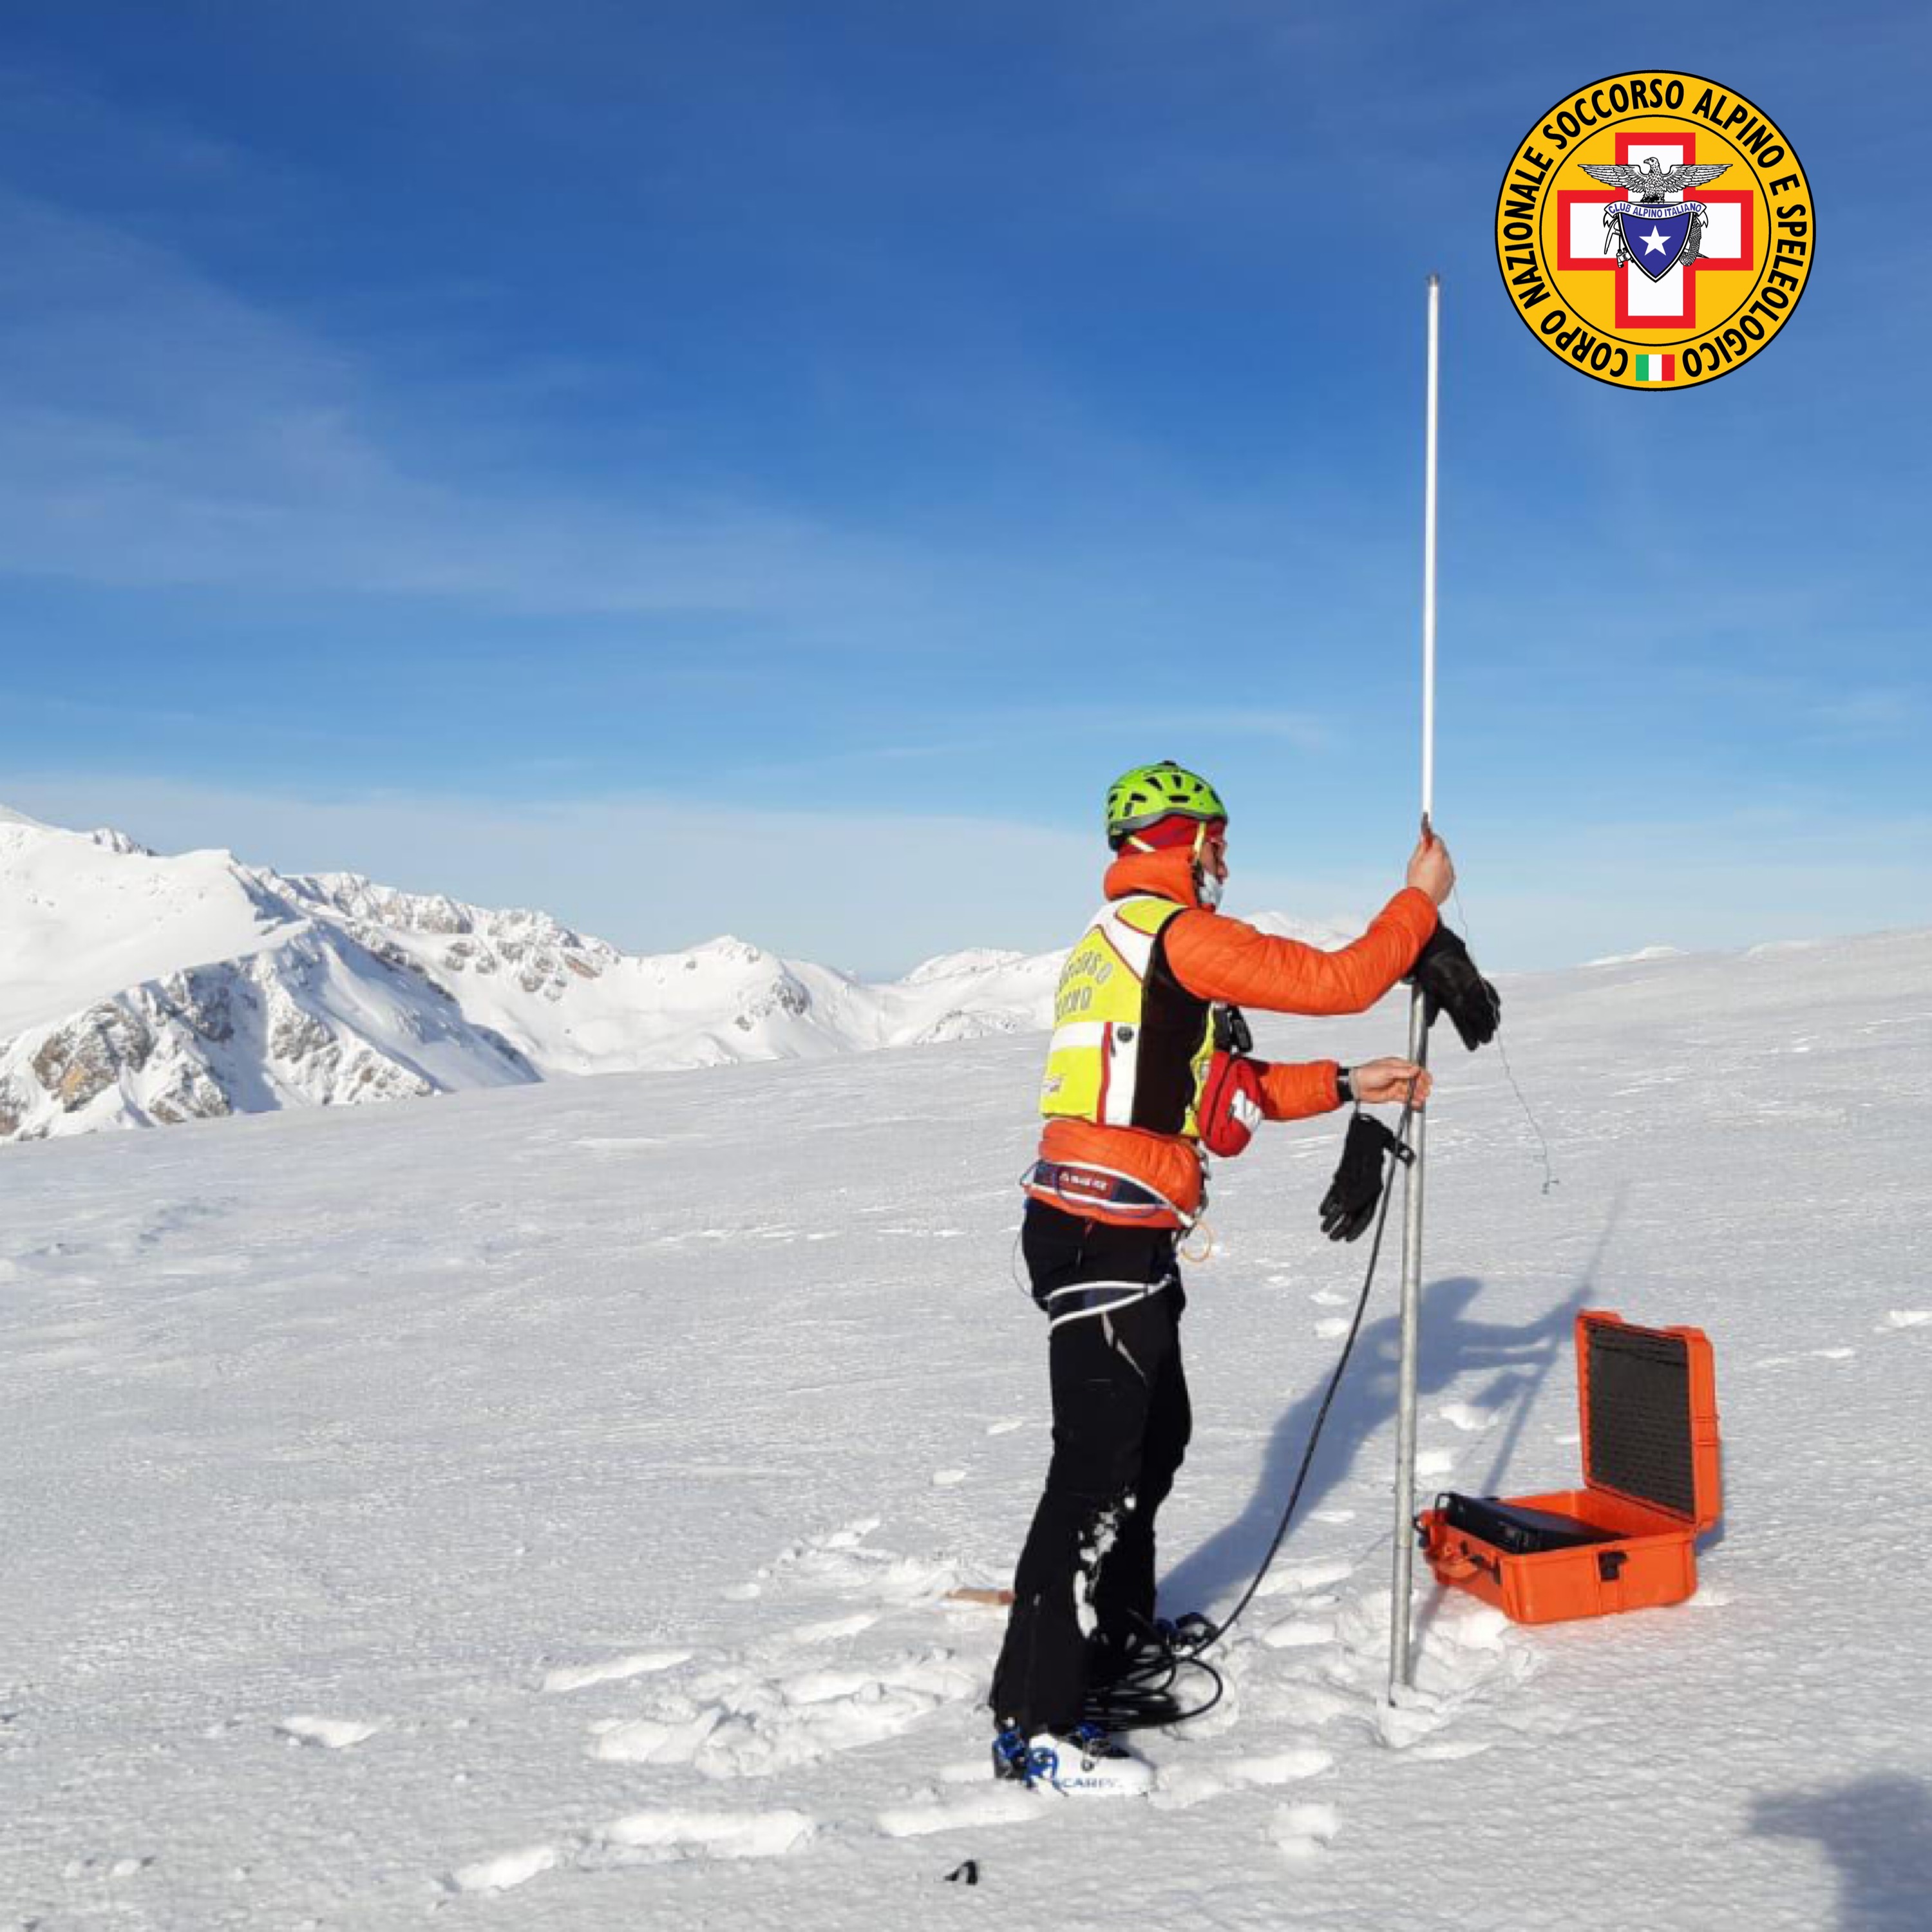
(1093, 1061)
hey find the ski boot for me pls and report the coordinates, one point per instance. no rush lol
(1083, 1762)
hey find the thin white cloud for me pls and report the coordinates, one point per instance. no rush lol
(156, 430)
(1871, 713)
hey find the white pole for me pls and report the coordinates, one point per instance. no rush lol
(1429, 559)
(1418, 1051)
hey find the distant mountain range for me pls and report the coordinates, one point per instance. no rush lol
(138, 990)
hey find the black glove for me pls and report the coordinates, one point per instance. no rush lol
(1349, 1205)
(1451, 985)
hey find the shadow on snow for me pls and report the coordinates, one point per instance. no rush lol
(1878, 1833)
(1516, 1358)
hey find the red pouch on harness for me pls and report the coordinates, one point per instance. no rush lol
(1231, 1104)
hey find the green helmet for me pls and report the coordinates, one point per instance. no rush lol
(1148, 793)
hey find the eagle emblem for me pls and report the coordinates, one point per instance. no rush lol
(1653, 232)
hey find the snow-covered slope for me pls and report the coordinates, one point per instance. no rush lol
(138, 990)
(533, 1510)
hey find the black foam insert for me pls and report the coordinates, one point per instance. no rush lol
(1640, 1417)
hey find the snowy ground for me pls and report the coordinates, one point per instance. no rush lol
(531, 1507)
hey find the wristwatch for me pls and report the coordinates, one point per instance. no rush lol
(1345, 1086)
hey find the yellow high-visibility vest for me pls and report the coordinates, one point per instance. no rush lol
(1126, 1052)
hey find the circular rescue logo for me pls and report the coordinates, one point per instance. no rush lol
(1655, 230)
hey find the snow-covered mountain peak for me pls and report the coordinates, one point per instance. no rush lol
(110, 840)
(1643, 956)
(81, 918)
(728, 949)
(136, 988)
(355, 896)
(1327, 933)
(972, 960)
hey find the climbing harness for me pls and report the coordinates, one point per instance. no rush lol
(1080, 1187)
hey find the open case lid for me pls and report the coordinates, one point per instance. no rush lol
(1648, 1398)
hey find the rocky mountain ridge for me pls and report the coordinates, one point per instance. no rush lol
(138, 989)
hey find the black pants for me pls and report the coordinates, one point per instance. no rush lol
(1120, 1425)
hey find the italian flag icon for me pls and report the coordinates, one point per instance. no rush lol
(1657, 368)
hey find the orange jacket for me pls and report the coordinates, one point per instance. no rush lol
(1220, 959)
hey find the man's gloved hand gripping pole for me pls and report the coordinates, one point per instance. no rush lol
(1450, 984)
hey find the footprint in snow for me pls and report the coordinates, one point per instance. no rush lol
(501, 1874)
(100, 1866)
(653, 1837)
(1834, 1355)
(645, 1838)
(989, 1803)
(1300, 1831)
(1319, 1576)
(329, 1733)
(1191, 1782)
(849, 1537)
(1449, 1751)
(744, 1724)
(1331, 1328)
(1465, 1416)
(1297, 1579)
(1281, 1767)
(1005, 1426)
(946, 1479)
(874, 1574)
(1434, 1462)
(613, 1670)
(1297, 1633)
(1907, 1317)
(831, 1629)
(666, 1739)
(1179, 1787)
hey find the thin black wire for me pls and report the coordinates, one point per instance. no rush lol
(1549, 1180)
(1143, 1697)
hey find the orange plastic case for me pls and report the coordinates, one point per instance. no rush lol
(1652, 1482)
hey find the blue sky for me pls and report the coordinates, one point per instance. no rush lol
(765, 468)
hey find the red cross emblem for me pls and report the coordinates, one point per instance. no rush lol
(1670, 302)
